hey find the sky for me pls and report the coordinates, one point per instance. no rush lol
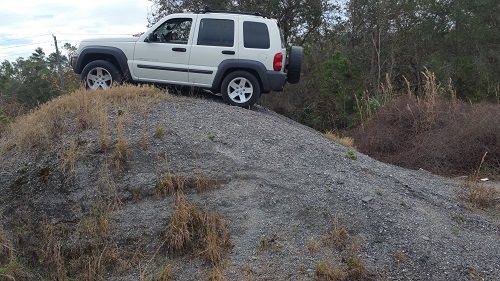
(28, 24)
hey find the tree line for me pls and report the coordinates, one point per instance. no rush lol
(355, 51)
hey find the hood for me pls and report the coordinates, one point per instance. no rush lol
(112, 39)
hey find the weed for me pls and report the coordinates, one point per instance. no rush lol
(51, 257)
(104, 139)
(191, 229)
(351, 155)
(6, 249)
(402, 203)
(121, 145)
(312, 246)
(355, 263)
(44, 173)
(479, 195)
(328, 271)
(379, 192)
(345, 141)
(212, 136)
(69, 156)
(205, 183)
(399, 256)
(159, 131)
(263, 244)
(166, 273)
(144, 143)
(338, 237)
(170, 184)
(461, 218)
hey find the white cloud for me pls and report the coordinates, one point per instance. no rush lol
(34, 22)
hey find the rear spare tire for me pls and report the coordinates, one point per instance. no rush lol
(294, 65)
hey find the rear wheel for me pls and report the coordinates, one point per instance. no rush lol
(240, 88)
(100, 74)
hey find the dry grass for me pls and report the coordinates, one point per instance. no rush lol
(338, 237)
(68, 156)
(203, 233)
(68, 115)
(345, 141)
(479, 195)
(159, 131)
(121, 147)
(6, 249)
(51, 256)
(328, 271)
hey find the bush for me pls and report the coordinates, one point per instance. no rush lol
(446, 137)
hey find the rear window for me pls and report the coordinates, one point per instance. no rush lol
(255, 35)
(216, 32)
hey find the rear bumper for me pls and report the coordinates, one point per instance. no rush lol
(277, 80)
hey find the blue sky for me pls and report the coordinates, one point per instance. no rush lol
(28, 24)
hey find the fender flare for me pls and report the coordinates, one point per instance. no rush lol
(97, 51)
(236, 64)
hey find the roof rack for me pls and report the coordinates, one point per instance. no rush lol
(208, 10)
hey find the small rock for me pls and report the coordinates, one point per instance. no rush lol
(425, 238)
(367, 199)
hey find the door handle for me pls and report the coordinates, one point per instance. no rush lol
(179, 49)
(228, 52)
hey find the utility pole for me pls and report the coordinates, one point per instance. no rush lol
(58, 58)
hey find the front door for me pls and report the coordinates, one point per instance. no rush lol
(164, 57)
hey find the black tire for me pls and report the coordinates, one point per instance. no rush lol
(240, 88)
(294, 65)
(100, 74)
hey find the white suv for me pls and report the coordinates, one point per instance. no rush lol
(239, 55)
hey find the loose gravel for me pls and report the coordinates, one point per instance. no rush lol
(283, 187)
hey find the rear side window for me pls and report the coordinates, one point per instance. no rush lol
(255, 35)
(216, 32)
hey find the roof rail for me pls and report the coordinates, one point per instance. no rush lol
(208, 10)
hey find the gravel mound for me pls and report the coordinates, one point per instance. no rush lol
(283, 188)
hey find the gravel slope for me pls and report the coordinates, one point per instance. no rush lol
(285, 186)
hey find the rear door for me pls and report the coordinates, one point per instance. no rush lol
(215, 40)
(165, 57)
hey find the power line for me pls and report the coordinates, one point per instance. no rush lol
(7, 40)
(17, 46)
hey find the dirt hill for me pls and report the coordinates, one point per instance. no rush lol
(134, 184)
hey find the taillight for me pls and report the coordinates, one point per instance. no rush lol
(278, 62)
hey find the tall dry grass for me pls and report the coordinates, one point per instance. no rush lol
(70, 114)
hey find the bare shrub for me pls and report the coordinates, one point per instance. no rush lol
(449, 141)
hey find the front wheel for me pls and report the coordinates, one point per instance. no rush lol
(240, 88)
(100, 74)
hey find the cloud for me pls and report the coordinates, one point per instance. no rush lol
(70, 21)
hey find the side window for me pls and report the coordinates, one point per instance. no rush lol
(216, 32)
(255, 35)
(174, 31)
